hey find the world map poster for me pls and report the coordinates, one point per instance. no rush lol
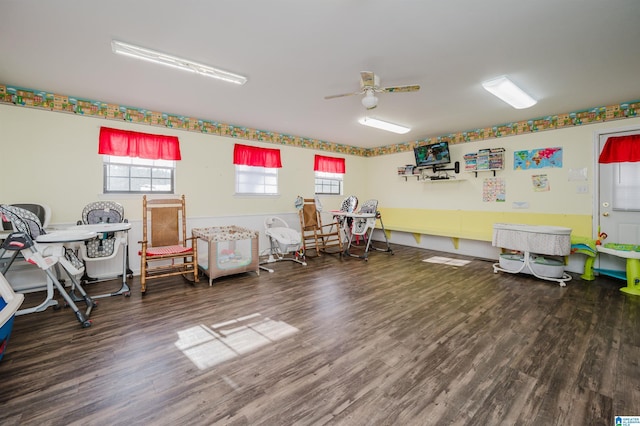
(537, 158)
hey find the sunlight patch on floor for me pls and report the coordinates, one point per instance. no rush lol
(207, 346)
(447, 261)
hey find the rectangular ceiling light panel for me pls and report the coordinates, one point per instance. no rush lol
(384, 125)
(175, 62)
(506, 90)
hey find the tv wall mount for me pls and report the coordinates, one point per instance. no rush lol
(437, 171)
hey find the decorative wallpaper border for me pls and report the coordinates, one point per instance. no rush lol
(91, 108)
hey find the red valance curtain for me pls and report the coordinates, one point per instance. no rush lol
(621, 149)
(329, 164)
(124, 143)
(258, 157)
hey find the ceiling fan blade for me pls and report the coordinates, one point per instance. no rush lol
(368, 79)
(360, 92)
(412, 88)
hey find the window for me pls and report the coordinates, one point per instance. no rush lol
(137, 162)
(627, 186)
(256, 169)
(329, 183)
(256, 180)
(329, 174)
(138, 175)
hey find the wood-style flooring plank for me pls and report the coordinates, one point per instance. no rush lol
(388, 341)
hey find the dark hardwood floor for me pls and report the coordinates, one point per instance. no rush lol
(391, 341)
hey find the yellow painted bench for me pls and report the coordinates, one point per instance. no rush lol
(470, 224)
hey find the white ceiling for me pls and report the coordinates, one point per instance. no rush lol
(568, 54)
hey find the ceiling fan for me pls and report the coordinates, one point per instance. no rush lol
(370, 85)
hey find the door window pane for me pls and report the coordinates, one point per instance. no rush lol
(626, 187)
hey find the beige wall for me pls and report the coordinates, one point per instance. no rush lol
(578, 153)
(52, 158)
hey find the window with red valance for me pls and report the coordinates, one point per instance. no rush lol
(124, 143)
(256, 170)
(244, 155)
(621, 149)
(329, 175)
(135, 162)
(329, 164)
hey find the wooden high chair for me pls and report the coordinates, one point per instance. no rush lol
(165, 241)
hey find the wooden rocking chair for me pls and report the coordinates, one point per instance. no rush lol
(165, 241)
(316, 235)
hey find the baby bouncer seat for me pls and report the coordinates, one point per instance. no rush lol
(283, 241)
(112, 243)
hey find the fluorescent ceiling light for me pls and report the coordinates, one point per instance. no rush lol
(504, 89)
(175, 62)
(384, 125)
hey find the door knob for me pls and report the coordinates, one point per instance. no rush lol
(605, 214)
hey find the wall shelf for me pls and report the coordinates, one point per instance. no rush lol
(410, 171)
(426, 178)
(449, 179)
(407, 176)
(485, 160)
(486, 170)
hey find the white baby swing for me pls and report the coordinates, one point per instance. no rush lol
(282, 241)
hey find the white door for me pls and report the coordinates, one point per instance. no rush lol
(618, 210)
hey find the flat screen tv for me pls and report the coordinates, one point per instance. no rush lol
(433, 154)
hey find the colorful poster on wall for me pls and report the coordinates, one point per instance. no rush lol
(493, 190)
(537, 158)
(540, 183)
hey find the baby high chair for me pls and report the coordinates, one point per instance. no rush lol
(107, 219)
(364, 223)
(349, 205)
(282, 240)
(45, 251)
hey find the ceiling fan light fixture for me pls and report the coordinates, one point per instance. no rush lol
(507, 91)
(156, 57)
(370, 101)
(384, 125)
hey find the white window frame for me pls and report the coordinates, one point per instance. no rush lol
(255, 180)
(130, 167)
(334, 182)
